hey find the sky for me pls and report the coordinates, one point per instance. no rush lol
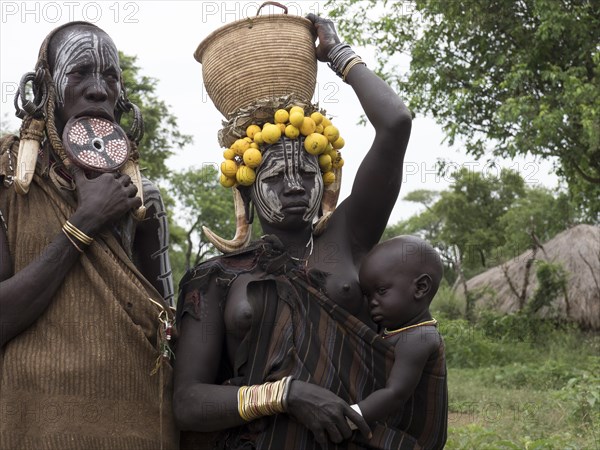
(164, 35)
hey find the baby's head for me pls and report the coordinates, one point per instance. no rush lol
(400, 277)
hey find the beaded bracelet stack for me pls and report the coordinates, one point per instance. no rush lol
(75, 236)
(263, 399)
(342, 58)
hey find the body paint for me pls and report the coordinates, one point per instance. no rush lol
(87, 48)
(282, 171)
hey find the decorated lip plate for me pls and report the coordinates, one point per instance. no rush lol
(96, 143)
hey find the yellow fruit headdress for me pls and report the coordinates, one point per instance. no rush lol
(243, 154)
(261, 105)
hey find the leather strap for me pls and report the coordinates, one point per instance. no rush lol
(274, 4)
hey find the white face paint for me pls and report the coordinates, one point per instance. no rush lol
(90, 50)
(288, 176)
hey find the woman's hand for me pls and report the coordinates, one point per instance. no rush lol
(327, 35)
(323, 413)
(103, 199)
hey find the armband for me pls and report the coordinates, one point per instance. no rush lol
(263, 399)
(342, 58)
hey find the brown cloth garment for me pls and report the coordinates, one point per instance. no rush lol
(80, 376)
(425, 413)
(296, 331)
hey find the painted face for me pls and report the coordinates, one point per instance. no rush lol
(86, 73)
(288, 183)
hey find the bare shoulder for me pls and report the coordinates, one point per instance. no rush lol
(421, 340)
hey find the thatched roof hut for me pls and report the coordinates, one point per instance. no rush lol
(578, 251)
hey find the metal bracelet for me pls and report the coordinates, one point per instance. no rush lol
(339, 57)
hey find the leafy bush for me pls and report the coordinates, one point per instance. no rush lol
(582, 394)
(524, 344)
(468, 347)
(552, 282)
(446, 304)
(519, 327)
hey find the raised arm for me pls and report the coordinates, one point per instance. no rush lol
(25, 295)
(377, 183)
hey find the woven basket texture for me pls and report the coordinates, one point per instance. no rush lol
(257, 58)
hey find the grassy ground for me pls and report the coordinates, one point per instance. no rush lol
(521, 383)
(485, 416)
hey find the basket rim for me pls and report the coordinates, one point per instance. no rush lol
(226, 28)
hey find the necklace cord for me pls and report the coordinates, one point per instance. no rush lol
(310, 252)
(388, 333)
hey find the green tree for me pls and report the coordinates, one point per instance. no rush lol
(482, 220)
(426, 225)
(552, 283)
(202, 201)
(162, 138)
(471, 210)
(464, 221)
(161, 132)
(518, 78)
(539, 214)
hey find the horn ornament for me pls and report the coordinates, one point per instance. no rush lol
(133, 170)
(242, 229)
(29, 148)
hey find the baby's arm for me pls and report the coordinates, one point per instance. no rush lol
(412, 349)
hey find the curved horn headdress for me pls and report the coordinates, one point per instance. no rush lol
(242, 228)
(329, 202)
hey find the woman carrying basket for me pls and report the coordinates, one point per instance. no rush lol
(271, 350)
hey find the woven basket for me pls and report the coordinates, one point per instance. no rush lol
(258, 58)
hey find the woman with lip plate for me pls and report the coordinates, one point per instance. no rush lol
(272, 348)
(84, 279)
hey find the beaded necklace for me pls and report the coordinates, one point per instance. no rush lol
(389, 333)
